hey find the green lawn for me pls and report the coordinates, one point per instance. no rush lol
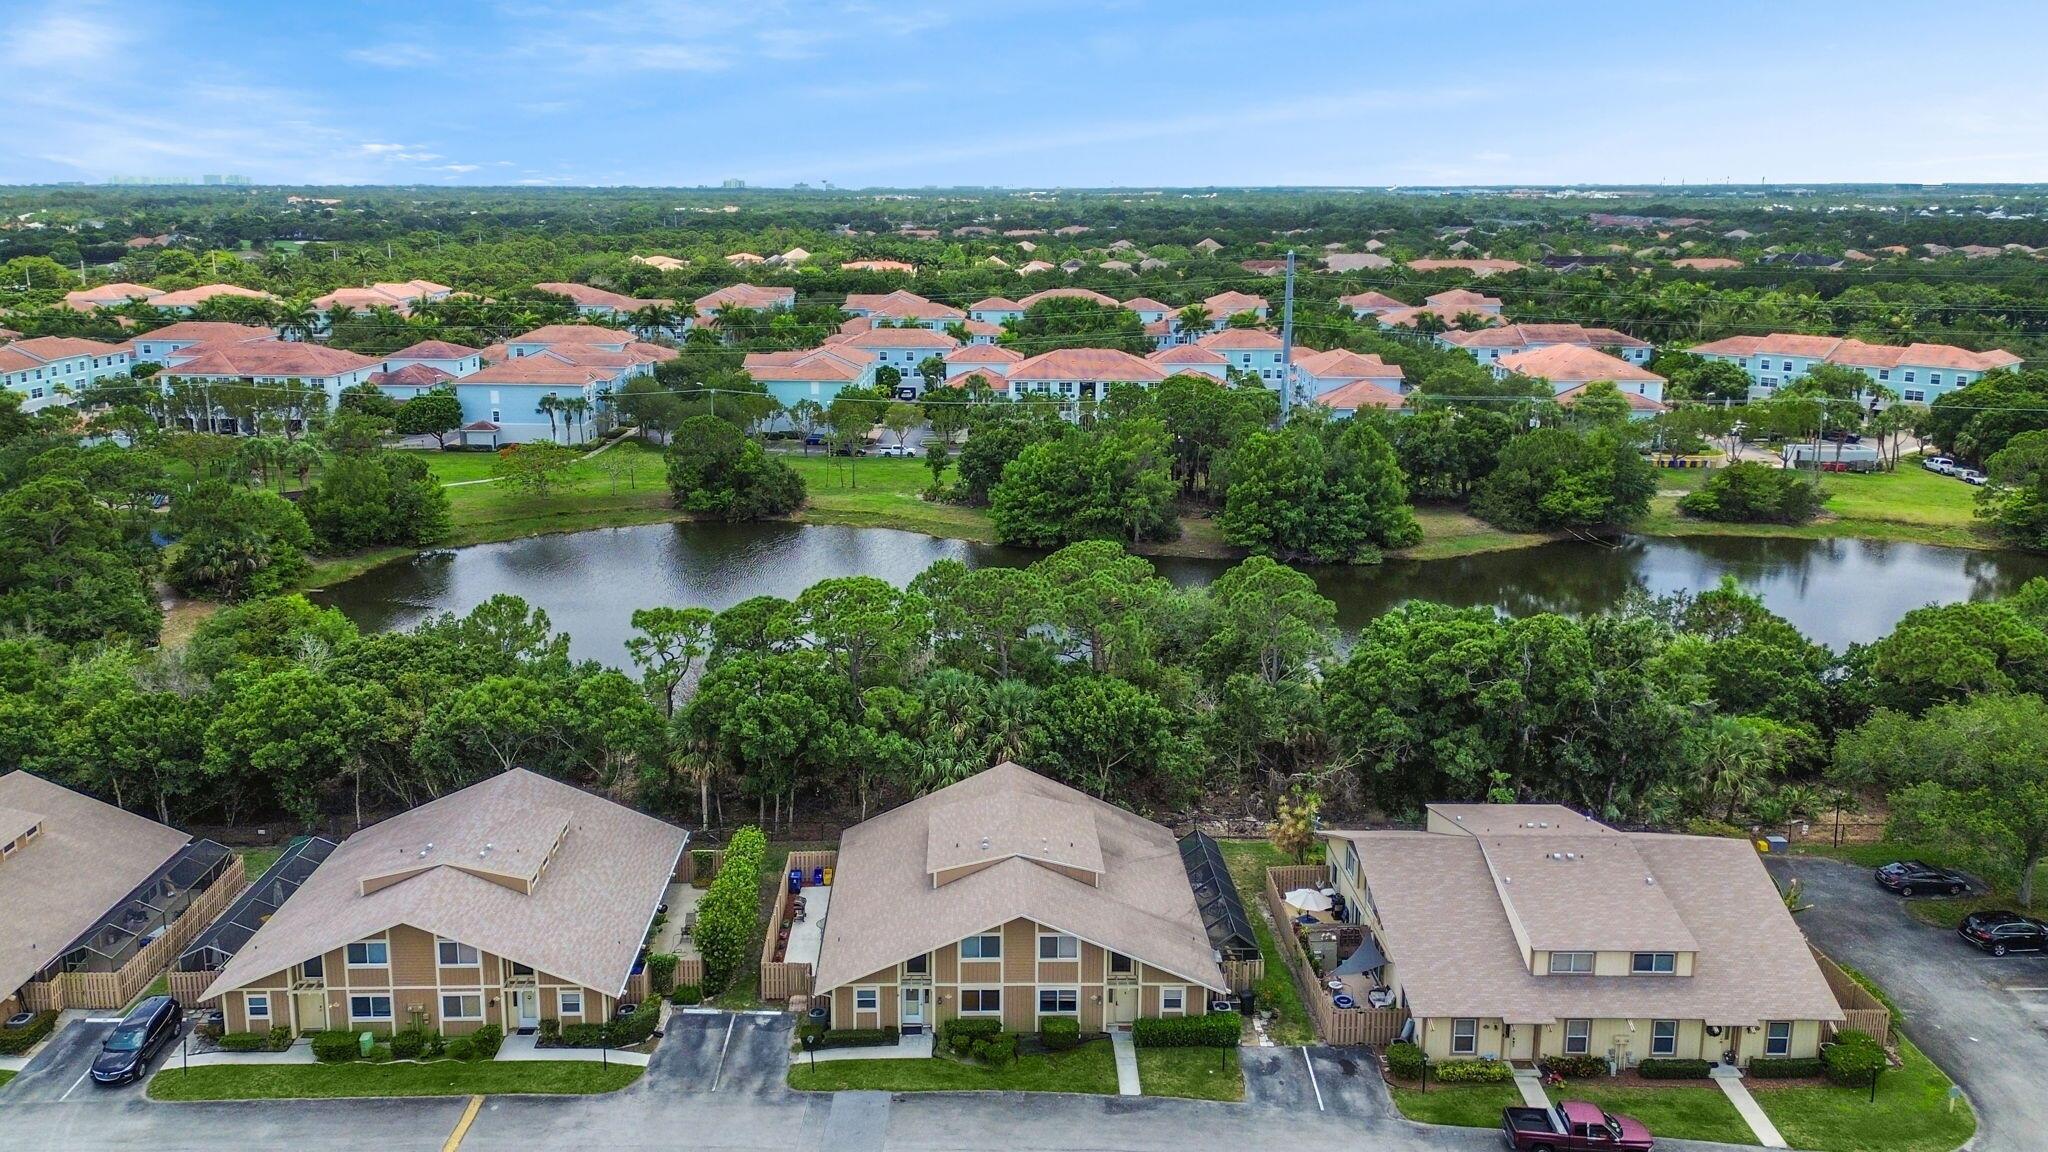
(1911, 1113)
(1677, 1111)
(1089, 1069)
(1248, 861)
(882, 492)
(440, 1078)
(1463, 1105)
(1191, 1073)
(1450, 531)
(5, 1076)
(257, 861)
(1909, 503)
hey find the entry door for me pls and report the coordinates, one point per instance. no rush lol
(914, 1000)
(312, 1009)
(1123, 1004)
(529, 1007)
(1521, 1041)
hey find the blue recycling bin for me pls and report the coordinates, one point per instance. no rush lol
(796, 881)
(818, 876)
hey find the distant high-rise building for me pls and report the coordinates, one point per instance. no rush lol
(734, 184)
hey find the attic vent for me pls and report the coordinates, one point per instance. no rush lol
(984, 843)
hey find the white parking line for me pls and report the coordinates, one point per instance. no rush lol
(74, 1085)
(1312, 1077)
(720, 1074)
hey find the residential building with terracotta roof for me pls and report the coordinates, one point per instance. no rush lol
(1078, 375)
(990, 360)
(1347, 400)
(902, 305)
(1070, 293)
(1363, 304)
(1190, 359)
(401, 297)
(424, 366)
(1343, 381)
(879, 266)
(1011, 897)
(187, 299)
(502, 402)
(1567, 367)
(902, 349)
(995, 310)
(814, 374)
(1149, 311)
(665, 263)
(1524, 931)
(1919, 373)
(601, 304)
(1481, 268)
(50, 370)
(1250, 351)
(515, 900)
(268, 362)
(759, 297)
(109, 296)
(1356, 262)
(1490, 344)
(154, 347)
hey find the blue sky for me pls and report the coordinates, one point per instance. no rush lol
(910, 92)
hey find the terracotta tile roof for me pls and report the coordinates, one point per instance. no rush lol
(203, 332)
(1462, 298)
(814, 364)
(995, 304)
(1344, 364)
(1146, 304)
(1361, 394)
(1636, 401)
(983, 354)
(1241, 340)
(745, 296)
(193, 297)
(1072, 293)
(1575, 364)
(1187, 356)
(665, 263)
(1706, 263)
(412, 376)
(885, 906)
(983, 328)
(43, 349)
(573, 334)
(1476, 267)
(1371, 302)
(1355, 262)
(432, 350)
(86, 858)
(108, 296)
(1226, 304)
(1528, 335)
(877, 266)
(606, 867)
(265, 358)
(542, 369)
(589, 296)
(1098, 364)
(901, 305)
(912, 338)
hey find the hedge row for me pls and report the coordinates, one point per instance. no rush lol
(15, 1041)
(730, 908)
(1473, 1072)
(980, 1037)
(276, 1040)
(341, 1047)
(1662, 1068)
(1853, 1058)
(624, 1032)
(1059, 1033)
(1575, 1067)
(1216, 1030)
(661, 972)
(856, 1038)
(1786, 1067)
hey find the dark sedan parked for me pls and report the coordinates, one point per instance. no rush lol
(2002, 932)
(135, 1042)
(1912, 877)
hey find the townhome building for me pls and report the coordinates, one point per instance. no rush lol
(1488, 345)
(1011, 897)
(1345, 381)
(813, 374)
(270, 362)
(49, 370)
(1568, 368)
(1186, 359)
(509, 401)
(902, 349)
(1250, 352)
(1363, 304)
(425, 366)
(600, 305)
(156, 346)
(1919, 373)
(756, 297)
(899, 307)
(1078, 375)
(185, 301)
(989, 360)
(515, 900)
(1523, 931)
(109, 296)
(995, 310)
(1453, 307)
(401, 297)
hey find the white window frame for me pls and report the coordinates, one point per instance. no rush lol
(1055, 939)
(459, 998)
(1130, 965)
(1663, 1043)
(1774, 1045)
(1583, 1037)
(562, 1000)
(1569, 962)
(1912, 395)
(256, 1005)
(372, 997)
(873, 996)
(1058, 994)
(982, 939)
(441, 954)
(348, 954)
(1669, 961)
(981, 995)
(1465, 1036)
(1179, 995)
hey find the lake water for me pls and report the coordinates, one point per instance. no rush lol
(1836, 591)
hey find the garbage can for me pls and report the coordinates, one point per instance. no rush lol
(796, 881)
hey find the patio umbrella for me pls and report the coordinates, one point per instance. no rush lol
(1308, 900)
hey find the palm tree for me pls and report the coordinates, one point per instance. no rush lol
(262, 455)
(1194, 318)
(338, 315)
(295, 320)
(550, 404)
(302, 456)
(573, 410)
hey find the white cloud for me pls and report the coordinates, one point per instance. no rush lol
(395, 54)
(62, 35)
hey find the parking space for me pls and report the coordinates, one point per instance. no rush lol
(61, 1071)
(1339, 1081)
(1982, 1018)
(737, 1052)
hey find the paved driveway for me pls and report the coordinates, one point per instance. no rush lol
(1983, 1019)
(61, 1070)
(734, 1052)
(1335, 1081)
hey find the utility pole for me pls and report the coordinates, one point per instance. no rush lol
(1287, 344)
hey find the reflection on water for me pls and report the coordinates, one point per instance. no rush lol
(589, 583)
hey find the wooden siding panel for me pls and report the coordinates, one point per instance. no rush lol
(1020, 952)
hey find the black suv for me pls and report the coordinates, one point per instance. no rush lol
(2002, 932)
(136, 1040)
(1908, 877)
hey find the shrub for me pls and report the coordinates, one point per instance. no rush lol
(630, 1030)
(1853, 1058)
(280, 1038)
(1787, 1067)
(960, 1034)
(1059, 1033)
(550, 1028)
(1667, 1069)
(996, 1050)
(461, 1048)
(242, 1041)
(700, 867)
(486, 1040)
(731, 907)
(661, 971)
(1474, 1072)
(436, 1045)
(1577, 1067)
(336, 1047)
(15, 1041)
(582, 1036)
(1752, 493)
(685, 994)
(408, 1045)
(857, 1037)
(1404, 1060)
(716, 470)
(380, 1054)
(1216, 1030)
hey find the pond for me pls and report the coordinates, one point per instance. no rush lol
(1836, 591)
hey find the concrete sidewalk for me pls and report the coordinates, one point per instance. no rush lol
(301, 1052)
(1126, 1064)
(1730, 1080)
(1530, 1083)
(917, 1047)
(517, 1047)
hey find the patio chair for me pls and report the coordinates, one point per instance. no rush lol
(689, 923)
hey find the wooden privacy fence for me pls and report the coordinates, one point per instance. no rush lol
(781, 980)
(189, 986)
(1338, 1027)
(1244, 975)
(118, 989)
(1862, 1010)
(688, 872)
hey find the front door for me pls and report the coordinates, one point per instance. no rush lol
(527, 1002)
(311, 1004)
(1521, 1042)
(914, 1000)
(1123, 1004)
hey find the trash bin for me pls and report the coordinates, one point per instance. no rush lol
(796, 881)
(818, 877)
(1777, 845)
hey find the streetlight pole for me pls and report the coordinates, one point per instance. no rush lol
(1287, 344)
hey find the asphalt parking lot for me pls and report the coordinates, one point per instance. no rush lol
(1984, 1019)
(737, 1052)
(61, 1071)
(1343, 1082)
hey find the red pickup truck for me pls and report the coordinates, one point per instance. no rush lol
(1572, 1126)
